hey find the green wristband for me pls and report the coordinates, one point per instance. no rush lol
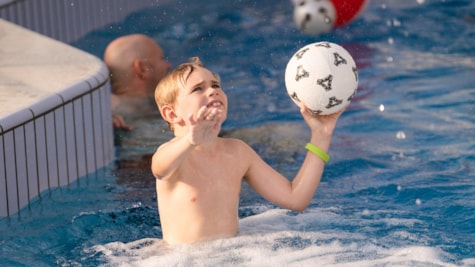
(318, 152)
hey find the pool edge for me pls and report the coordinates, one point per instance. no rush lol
(56, 122)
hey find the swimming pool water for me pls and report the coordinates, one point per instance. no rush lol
(399, 190)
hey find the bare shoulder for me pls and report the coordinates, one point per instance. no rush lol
(234, 142)
(158, 156)
(165, 144)
(238, 146)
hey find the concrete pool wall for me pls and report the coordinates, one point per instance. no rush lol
(55, 120)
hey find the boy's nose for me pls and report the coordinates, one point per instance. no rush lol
(213, 91)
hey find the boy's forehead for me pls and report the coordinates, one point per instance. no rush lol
(200, 74)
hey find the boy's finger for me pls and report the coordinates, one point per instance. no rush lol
(201, 113)
(191, 120)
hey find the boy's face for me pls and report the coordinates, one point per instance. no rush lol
(202, 88)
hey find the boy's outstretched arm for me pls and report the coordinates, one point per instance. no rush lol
(298, 193)
(168, 157)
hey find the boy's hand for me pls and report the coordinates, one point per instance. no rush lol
(323, 123)
(206, 126)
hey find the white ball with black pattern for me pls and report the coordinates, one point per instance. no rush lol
(323, 76)
(314, 17)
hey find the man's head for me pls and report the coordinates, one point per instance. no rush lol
(136, 64)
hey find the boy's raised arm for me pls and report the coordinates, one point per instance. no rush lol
(298, 193)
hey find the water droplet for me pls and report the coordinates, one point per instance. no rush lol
(418, 201)
(381, 107)
(400, 135)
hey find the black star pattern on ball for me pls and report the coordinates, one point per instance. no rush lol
(339, 59)
(301, 73)
(315, 112)
(326, 83)
(333, 101)
(300, 53)
(307, 19)
(295, 97)
(323, 44)
(351, 96)
(355, 71)
(324, 12)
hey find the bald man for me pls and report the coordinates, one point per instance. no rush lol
(136, 64)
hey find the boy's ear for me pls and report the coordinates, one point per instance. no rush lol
(169, 114)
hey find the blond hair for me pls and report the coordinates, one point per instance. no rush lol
(167, 90)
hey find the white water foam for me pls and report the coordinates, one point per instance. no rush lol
(274, 238)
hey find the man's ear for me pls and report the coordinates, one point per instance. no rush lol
(139, 68)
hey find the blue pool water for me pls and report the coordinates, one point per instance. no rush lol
(399, 190)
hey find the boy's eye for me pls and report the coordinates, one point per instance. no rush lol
(196, 89)
(217, 85)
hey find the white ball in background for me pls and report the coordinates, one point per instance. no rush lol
(314, 17)
(323, 76)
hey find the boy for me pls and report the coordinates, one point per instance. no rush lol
(198, 174)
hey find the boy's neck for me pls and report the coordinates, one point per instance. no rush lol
(180, 133)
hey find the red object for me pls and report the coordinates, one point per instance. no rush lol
(347, 10)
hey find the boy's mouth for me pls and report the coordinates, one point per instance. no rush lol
(214, 103)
